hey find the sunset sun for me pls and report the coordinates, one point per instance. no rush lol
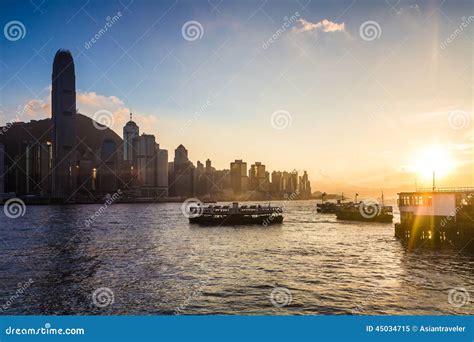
(433, 159)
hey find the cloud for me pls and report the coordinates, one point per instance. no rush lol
(322, 26)
(89, 103)
(409, 9)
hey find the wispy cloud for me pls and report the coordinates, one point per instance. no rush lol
(89, 103)
(321, 26)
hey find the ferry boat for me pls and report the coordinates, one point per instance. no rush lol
(328, 207)
(366, 211)
(236, 215)
(437, 216)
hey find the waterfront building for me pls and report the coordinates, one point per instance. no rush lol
(86, 176)
(441, 216)
(108, 168)
(277, 182)
(38, 168)
(209, 168)
(63, 108)
(144, 160)
(130, 132)
(183, 176)
(258, 178)
(304, 186)
(161, 171)
(238, 176)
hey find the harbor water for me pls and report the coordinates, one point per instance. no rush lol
(149, 261)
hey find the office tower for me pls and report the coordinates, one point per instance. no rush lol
(238, 176)
(257, 178)
(277, 182)
(109, 166)
(86, 172)
(63, 108)
(130, 131)
(304, 186)
(293, 181)
(144, 159)
(38, 168)
(161, 171)
(184, 178)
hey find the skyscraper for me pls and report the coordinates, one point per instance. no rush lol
(257, 177)
(183, 177)
(130, 131)
(63, 108)
(238, 176)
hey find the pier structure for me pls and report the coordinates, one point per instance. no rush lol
(437, 217)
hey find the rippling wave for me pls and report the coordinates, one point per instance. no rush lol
(154, 262)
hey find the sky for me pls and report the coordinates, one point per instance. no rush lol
(364, 95)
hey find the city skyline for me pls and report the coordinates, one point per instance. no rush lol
(353, 125)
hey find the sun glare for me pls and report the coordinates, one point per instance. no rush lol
(433, 159)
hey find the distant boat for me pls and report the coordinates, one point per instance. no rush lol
(369, 211)
(236, 215)
(328, 207)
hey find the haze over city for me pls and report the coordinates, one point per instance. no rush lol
(359, 114)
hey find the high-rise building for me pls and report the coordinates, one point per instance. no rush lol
(183, 178)
(144, 161)
(38, 168)
(161, 171)
(130, 132)
(108, 169)
(238, 176)
(304, 186)
(277, 182)
(258, 177)
(63, 108)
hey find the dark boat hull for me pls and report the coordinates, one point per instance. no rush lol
(236, 219)
(356, 216)
(326, 210)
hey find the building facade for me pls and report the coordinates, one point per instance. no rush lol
(63, 108)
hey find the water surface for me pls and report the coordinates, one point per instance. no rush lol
(155, 262)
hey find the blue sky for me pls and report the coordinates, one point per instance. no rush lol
(216, 94)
